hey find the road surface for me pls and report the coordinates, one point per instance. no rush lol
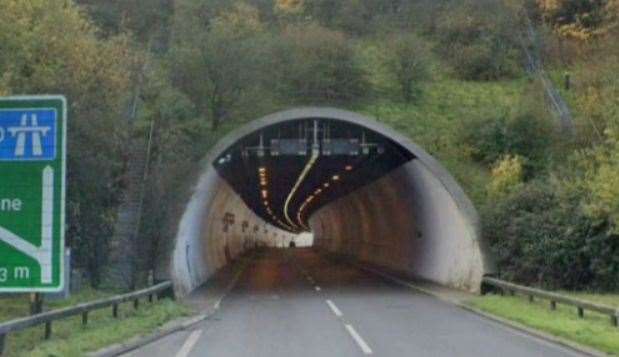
(296, 303)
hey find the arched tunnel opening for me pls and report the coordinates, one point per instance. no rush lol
(361, 189)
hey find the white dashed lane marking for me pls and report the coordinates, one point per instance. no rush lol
(334, 308)
(189, 344)
(362, 344)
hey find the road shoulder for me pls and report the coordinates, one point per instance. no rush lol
(459, 298)
(205, 301)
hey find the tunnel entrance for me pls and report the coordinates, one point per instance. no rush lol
(291, 169)
(362, 190)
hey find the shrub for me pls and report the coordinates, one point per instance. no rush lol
(541, 236)
(507, 176)
(524, 135)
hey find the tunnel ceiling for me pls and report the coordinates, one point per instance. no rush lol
(287, 171)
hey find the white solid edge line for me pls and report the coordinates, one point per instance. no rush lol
(364, 346)
(189, 344)
(334, 308)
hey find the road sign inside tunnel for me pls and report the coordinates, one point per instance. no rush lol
(32, 193)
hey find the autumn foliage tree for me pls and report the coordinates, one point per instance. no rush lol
(49, 46)
(580, 19)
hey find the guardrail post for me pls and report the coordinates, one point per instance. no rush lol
(48, 330)
(150, 298)
(581, 312)
(168, 293)
(531, 298)
(136, 304)
(2, 344)
(85, 318)
(613, 321)
(553, 305)
(36, 303)
(115, 311)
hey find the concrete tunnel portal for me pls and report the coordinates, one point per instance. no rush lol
(363, 190)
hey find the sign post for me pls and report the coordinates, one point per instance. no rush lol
(32, 193)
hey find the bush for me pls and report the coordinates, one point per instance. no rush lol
(507, 176)
(541, 236)
(524, 135)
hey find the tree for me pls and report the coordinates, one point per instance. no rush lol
(581, 19)
(146, 19)
(217, 64)
(478, 38)
(409, 64)
(49, 46)
(602, 181)
(317, 66)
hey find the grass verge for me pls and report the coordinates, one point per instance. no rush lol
(19, 305)
(594, 330)
(70, 338)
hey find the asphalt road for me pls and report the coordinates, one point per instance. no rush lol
(295, 303)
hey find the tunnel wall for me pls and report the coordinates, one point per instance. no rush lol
(416, 220)
(406, 222)
(205, 242)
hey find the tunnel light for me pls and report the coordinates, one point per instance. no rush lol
(348, 168)
(262, 170)
(326, 185)
(266, 203)
(264, 194)
(336, 177)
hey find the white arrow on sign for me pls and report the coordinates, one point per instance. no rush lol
(42, 254)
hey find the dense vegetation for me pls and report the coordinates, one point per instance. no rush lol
(451, 74)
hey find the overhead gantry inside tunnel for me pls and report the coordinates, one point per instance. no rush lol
(363, 190)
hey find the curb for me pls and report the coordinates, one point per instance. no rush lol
(574, 346)
(173, 327)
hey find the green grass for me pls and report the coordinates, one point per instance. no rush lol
(594, 330)
(605, 299)
(70, 338)
(19, 305)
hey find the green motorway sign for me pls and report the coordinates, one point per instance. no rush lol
(32, 193)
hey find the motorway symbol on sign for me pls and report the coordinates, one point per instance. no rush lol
(32, 193)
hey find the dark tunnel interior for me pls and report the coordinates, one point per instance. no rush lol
(287, 171)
